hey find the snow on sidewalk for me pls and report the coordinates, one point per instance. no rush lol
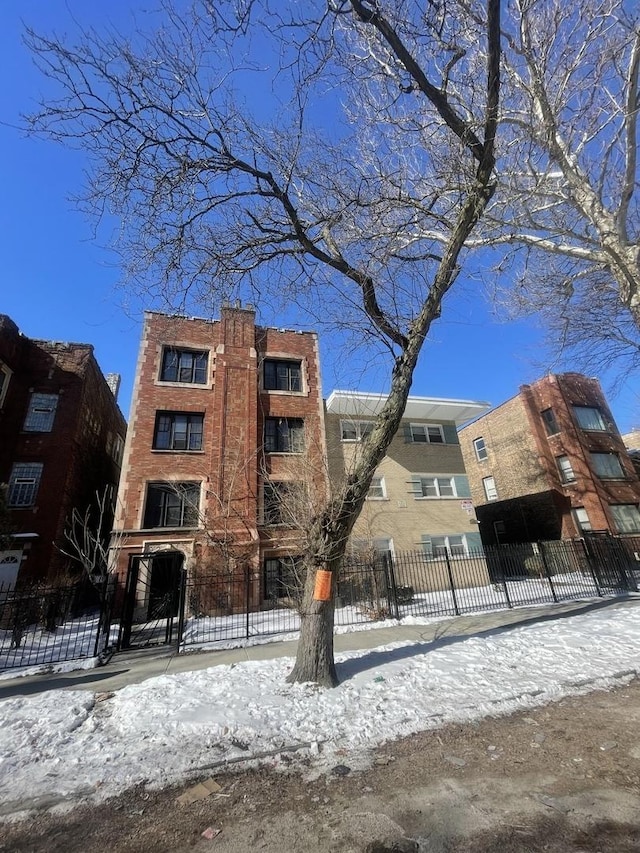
(65, 744)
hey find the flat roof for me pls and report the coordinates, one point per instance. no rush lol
(355, 404)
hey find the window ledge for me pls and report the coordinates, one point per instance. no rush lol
(187, 452)
(166, 383)
(283, 452)
(439, 498)
(284, 393)
(373, 498)
(165, 529)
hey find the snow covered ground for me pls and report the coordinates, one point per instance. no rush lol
(70, 744)
(76, 639)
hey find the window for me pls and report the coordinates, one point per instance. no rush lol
(41, 412)
(549, 421)
(438, 487)
(355, 430)
(5, 375)
(626, 517)
(481, 449)
(382, 546)
(118, 449)
(489, 486)
(565, 469)
(589, 418)
(172, 505)
(282, 577)
(178, 431)
(182, 365)
(23, 484)
(284, 503)
(283, 435)
(581, 518)
(377, 489)
(282, 375)
(607, 465)
(440, 546)
(500, 531)
(427, 433)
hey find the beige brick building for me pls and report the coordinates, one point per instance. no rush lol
(226, 426)
(550, 464)
(420, 496)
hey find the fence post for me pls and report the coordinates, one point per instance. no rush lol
(104, 620)
(505, 588)
(182, 604)
(589, 560)
(547, 572)
(622, 556)
(392, 595)
(451, 583)
(247, 598)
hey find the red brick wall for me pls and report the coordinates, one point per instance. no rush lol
(232, 463)
(75, 464)
(522, 458)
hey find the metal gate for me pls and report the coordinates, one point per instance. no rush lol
(612, 561)
(153, 606)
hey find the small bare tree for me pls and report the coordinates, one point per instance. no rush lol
(363, 208)
(89, 539)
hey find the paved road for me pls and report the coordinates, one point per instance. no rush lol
(134, 667)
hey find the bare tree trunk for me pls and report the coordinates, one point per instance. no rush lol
(314, 659)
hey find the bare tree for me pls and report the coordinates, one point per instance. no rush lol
(567, 200)
(88, 537)
(356, 192)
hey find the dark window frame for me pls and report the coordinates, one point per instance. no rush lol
(427, 433)
(275, 571)
(195, 373)
(41, 412)
(281, 502)
(549, 420)
(607, 454)
(602, 424)
(171, 505)
(24, 483)
(355, 430)
(281, 374)
(283, 435)
(166, 426)
(620, 524)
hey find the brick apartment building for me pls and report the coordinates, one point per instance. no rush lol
(632, 443)
(61, 441)
(225, 451)
(550, 464)
(419, 498)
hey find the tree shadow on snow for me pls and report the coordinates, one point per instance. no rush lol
(374, 659)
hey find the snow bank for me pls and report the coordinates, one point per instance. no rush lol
(65, 744)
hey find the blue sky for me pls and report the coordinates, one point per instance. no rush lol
(60, 283)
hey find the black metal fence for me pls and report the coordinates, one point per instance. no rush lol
(223, 608)
(43, 624)
(40, 625)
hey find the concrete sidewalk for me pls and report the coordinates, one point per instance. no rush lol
(135, 666)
